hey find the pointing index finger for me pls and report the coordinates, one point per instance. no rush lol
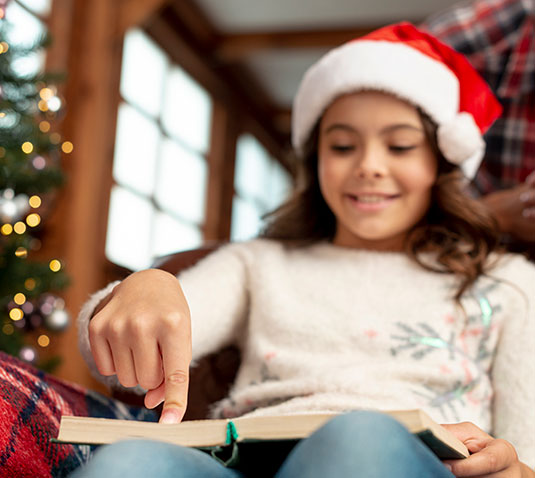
(176, 360)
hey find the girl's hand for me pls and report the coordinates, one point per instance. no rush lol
(490, 457)
(142, 333)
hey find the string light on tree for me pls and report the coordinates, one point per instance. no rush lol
(67, 147)
(19, 227)
(6, 229)
(33, 220)
(28, 354)
(39, 163)
(44, 126)
(43, 340)
(21, 252)
(50, 100)
(12, 208)
(35, 202)
(27, 147)
(55, 265)
(55, 317)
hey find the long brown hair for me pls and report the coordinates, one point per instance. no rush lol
(457, 228)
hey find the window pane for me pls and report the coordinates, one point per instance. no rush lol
(187, 110)
(171, 236)
(280, 186)
(41, 7)
(181, 182)
(25, 30)
(136, 149)
(143, 72)
(253, 166)
(129, 229)
(246, 221)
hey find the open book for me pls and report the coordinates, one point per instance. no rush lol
(207, 434)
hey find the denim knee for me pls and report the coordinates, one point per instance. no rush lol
(142, 458)
(364, 444)
(366, 426)
(132, 450)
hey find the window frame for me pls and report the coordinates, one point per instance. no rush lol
(164, 136)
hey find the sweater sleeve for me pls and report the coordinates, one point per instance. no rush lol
(216, 292)
(513, 372)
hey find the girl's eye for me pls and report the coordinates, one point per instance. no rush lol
(401, 149)
(342, 148)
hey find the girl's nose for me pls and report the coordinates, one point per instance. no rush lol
(370, 164)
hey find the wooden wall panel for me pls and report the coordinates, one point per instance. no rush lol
(92, 60)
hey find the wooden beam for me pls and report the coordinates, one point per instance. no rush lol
(136, 12)
(235, 47)
(283, 121)
(221, 161)
(79, 222)
(202, 31)
(59, 25)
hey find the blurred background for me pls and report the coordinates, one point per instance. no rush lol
(163, 125)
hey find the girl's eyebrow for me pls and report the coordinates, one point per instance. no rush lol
(385, 130)
(394, 127)
(341, 126)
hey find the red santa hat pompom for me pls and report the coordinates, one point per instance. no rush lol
(412, 65)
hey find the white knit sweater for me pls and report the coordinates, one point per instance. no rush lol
(325, 328)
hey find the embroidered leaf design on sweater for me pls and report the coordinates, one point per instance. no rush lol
(422, 339)
(447, 401)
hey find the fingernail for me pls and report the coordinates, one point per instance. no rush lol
(528, 212)
(171, 415)
(448, 466)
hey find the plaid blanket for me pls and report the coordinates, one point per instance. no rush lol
(32, 404)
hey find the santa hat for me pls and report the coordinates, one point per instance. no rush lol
(412, 65)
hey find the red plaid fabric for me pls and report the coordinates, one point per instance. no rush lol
(31, 405)
(498, 38)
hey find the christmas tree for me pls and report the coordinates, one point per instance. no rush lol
(30, 175)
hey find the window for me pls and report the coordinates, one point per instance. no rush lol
(25, 18)
(261, 184)
(160, 168)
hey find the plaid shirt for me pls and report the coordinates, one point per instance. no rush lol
(498, 38)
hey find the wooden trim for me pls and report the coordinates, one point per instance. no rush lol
(221, 161)
(135, 12)
(236, 47)
(202, 31)
(59, 24)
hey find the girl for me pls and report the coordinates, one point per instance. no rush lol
(374, 287)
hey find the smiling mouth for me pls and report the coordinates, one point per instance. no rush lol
(372, 198)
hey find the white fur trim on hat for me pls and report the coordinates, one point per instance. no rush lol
(460, 140)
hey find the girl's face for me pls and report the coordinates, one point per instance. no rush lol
(376, 169)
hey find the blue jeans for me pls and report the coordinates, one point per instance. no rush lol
(357, 444)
